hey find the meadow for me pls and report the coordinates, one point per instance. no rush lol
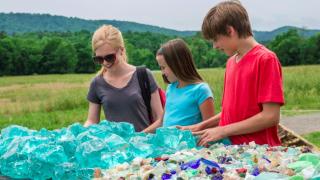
(56, 101)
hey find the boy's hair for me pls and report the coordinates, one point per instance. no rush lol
(179, 58)
(228, 13)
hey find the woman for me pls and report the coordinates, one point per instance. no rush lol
(116, 87)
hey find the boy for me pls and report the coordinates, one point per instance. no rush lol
(253, 91)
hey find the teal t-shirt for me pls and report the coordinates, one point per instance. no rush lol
(183, 104)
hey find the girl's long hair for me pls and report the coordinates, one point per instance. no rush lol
(179, 58)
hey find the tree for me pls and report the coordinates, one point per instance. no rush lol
(6, 56)
(65, 58)
(142, 57)
(3, 35)
(310, 50)
(58, 56)
(287, 46)
(216, 58)
(84, 58)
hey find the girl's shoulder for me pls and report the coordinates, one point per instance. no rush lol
(203, 91)
(201, 85)
(172, 85)
(201, 88)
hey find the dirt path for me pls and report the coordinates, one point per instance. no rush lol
(302, 124)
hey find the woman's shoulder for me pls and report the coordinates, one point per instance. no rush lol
(143, 67)
(149, 72)
(96, 79)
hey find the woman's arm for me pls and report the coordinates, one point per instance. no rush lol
(93, 114)
(156, 106)
(157, 112)
(152, 128)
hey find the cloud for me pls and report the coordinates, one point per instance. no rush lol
(175, 14)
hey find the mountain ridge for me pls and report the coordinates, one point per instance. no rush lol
(27, 22)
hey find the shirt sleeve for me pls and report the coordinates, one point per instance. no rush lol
(92, 94)
(270, 87)
(153, 84)
(204, 93)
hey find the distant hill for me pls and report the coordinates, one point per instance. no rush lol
(269, 35)
(24, 22)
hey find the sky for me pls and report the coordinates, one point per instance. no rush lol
(174, 14)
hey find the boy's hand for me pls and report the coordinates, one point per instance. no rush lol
(210, 135)
(192, 128)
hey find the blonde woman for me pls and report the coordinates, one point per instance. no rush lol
(116, 87)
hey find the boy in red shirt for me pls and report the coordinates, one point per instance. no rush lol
(253, 91)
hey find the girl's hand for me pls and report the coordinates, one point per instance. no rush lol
(210, 135)
(192, 128)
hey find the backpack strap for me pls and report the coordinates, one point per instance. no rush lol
(145, 88)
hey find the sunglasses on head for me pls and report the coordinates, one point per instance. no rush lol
(110, 58)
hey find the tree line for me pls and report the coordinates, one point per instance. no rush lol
(70, 52)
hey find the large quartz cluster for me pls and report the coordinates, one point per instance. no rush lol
(74, 152)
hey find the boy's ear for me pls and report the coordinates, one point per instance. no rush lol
(231, 31)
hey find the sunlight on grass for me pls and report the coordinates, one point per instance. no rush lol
(55, 101)
(314, 138)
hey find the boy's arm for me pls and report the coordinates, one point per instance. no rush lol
(269, 116)
(209, 123)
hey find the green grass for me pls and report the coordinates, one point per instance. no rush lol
(314, 138)
(40, 79)
(302, 88)
(49, 120)
(55, 101)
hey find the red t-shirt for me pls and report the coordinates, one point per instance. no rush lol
(254, 80)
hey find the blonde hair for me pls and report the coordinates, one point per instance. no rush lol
(107, 34)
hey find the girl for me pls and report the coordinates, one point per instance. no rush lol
(116, 87)
(188, 99)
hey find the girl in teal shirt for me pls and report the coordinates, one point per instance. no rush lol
(188, 99)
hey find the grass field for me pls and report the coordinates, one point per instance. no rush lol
(55, 101)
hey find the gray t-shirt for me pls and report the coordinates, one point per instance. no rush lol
(122, 104)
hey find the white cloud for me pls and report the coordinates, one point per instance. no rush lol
(175, 14)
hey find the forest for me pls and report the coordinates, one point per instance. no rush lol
(70, 52)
